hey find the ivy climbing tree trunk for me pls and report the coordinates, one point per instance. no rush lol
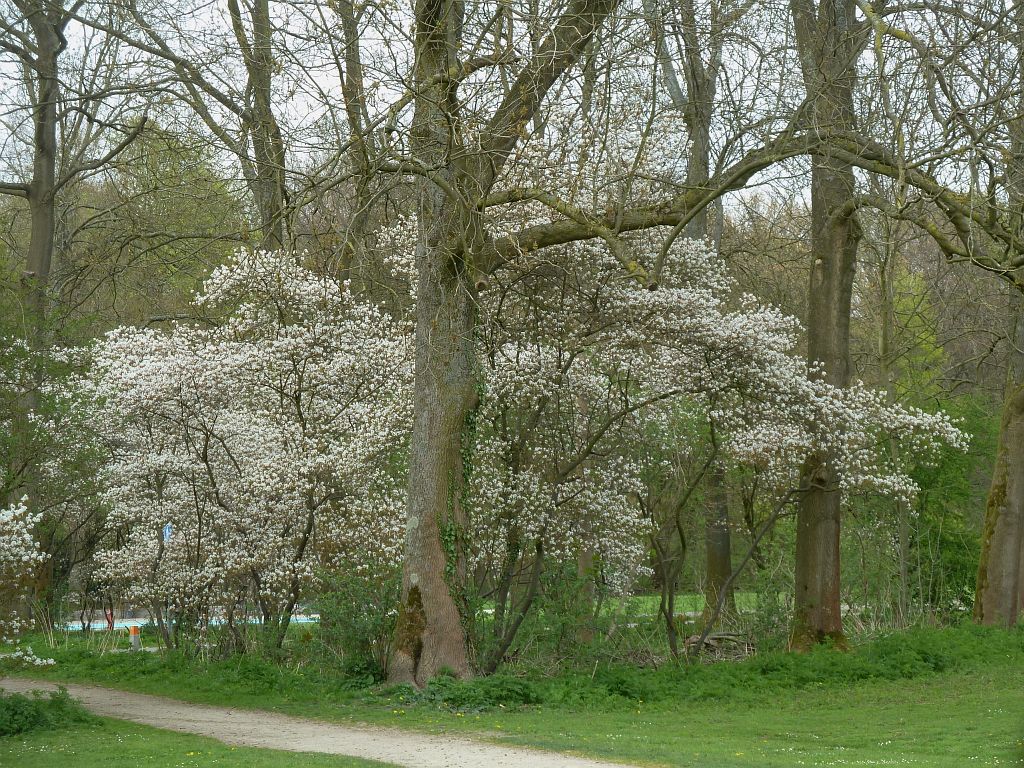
(430, 635)
(827, 48)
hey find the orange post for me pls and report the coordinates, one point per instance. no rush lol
(133, 633)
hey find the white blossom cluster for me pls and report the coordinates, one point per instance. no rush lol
(19, 556)
(396, 248)
(588, 373)
(24, 655)
(247, 456)
(547, 468)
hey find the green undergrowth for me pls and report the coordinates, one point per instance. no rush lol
(20, 713)
(255, 682)
(926, 697)
(900, 656)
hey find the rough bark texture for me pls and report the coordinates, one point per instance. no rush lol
(430, 635)
(999, 596)
(265, 174)
(46, 27)
(999, 593)
(827, 54)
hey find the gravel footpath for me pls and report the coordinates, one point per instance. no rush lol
(269, 730)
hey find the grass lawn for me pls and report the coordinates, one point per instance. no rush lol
(927, 698)
(951, 719)
(117, 744)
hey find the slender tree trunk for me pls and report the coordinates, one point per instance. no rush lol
(887, 376)
(585, 575)
(828, 55)
(359, 221)
(701, 63)
(718, 547)
(504, 642)
(268, 145)
(266, 175)
(42, 188)
(42, 204)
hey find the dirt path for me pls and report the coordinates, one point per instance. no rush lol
(272, 731)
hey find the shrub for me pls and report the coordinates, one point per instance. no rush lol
(481, 693)
(20, 713)
(357, 620)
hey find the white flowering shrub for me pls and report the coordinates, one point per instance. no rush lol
(247, 456)
(19, 557)
(587, 379)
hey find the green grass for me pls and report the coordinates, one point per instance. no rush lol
(116, 744)
(951, 719)
(952, 697)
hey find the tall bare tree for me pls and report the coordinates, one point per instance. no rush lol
(828, 45)
(455, 179)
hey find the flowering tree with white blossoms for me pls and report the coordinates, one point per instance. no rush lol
(585, 381)
(249, 455)
(19, 557)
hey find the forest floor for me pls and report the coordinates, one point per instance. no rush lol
(880, 704)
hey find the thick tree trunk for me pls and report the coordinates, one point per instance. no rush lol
(430, 635)
(817, 612)
(999, 592)
(999, 596)
(828, 56)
